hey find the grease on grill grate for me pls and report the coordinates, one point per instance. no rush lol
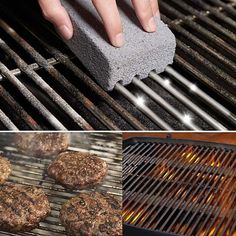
(28, 170)
(183, 189)
(52, 90)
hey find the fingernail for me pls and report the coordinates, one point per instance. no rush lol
(158, 15)
(119, 40)
(65, 32)
(152, 25)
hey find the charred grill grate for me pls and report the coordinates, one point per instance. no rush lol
(179, 187)
(50, 89)
(28, 170)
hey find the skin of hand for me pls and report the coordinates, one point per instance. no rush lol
(145, 10)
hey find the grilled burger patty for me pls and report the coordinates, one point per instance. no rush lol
(42, 144)
(92, 214)
(77, 170)
(5, 169)
(22, 208)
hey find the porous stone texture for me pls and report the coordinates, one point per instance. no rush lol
(142, 52)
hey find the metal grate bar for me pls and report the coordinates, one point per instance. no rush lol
(18, 109)
(77, 95)
(145, 182)
(225, 186)
(158, 185)
(128, 169)
(65, 60)
(6, 121)
(186, 101)
(163, 103)
(220, 108)
(162, 152)
(33, 66)
(45, 87)
(205, 79)
(30, 97)
(183, 202)
(218, 14)
(205, 55)
(207, 198)
(145, 109)
(227, 7)
(188, 190)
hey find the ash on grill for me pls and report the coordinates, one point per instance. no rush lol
(28, 170)
(47, 88)
(180, 187)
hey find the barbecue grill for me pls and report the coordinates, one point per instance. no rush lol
(178, 187)
(43, 85)
(28, 170)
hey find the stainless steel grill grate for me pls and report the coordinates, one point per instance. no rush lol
(47, 88)
(180, 187)
(28, 170)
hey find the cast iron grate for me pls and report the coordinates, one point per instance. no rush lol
(179, 187)
(28, 170)
(51, 89)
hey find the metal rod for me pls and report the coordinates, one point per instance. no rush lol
(148, 182)
(77, 95)
(186, 101)
(205, 79)
(6, 121)
(65, 60)
(200, 195)
(145, 109)
(45, 87)
(163, 103)
(179, 175)
(179, 95)
(21, 113)
(31, 98)
(200, 93)
(33, 66)
(222, 184)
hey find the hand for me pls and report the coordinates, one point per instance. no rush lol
(145, 10)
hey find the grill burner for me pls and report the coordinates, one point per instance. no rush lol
(28, 170)
(179, 187)
(51, 89)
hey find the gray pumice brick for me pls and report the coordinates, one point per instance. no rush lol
(142, 52)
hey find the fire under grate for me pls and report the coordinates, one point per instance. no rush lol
(28, 170)
(43, 86)
(179, 187)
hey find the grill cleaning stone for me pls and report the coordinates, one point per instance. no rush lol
(142, 52)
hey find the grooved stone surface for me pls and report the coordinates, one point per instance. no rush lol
(142, 52)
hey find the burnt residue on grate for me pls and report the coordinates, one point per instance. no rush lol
(180, 187)
(43, 86)
(29, 170)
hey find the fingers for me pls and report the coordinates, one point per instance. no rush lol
(144, 12)
(109, 13)
(54, 12)
(155, 7)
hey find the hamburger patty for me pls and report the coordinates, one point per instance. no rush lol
(22, 208)
(96, 214)
(77, 170)
(42, 144)
(5, 169)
